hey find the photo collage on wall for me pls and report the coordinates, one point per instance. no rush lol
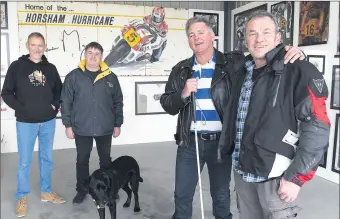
(312, 26)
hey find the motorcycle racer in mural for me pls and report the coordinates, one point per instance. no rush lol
(140, 40)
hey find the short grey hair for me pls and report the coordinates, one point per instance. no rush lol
(197, 19)
(263, 13)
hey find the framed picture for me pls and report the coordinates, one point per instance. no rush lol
(240, 28)
(213, 19)
(4, 53)
(338, 43)
(147, 96)
(318, 61)
(7, 113)
(336, 148)
(216, 43)
(4, 15)
(313, 23)
(335, 97)
(284, 13)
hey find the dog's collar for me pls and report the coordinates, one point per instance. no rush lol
(98, 207)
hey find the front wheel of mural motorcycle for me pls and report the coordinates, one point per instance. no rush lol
(118, 52)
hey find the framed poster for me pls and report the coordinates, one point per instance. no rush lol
(147, 97)
(318, 61)
(7, 113)
(335, 97)
(213, 20)
(336, 148)
(313, 23)
(240, 28)
(4, 53)
(4, 15)
(216, 43)
(338, 43)
(284, 13)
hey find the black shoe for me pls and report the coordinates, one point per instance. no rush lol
(79, 198)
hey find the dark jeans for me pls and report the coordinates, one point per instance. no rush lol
(187, 177)
(84, 146)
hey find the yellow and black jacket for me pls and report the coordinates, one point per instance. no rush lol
(92, 106)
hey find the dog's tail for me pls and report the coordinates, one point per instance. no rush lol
(140, 179)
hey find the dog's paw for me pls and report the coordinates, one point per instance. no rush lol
(126, 205)
(136, 209)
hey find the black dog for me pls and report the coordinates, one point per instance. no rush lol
(104, 185)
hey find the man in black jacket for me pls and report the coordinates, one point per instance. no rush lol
(278, 126)
(91, 108)
(32, 88)
(210, 74)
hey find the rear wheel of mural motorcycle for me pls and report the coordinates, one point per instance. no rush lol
(119, 51)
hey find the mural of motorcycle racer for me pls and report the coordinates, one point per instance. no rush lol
(141, 40)
(157, 23)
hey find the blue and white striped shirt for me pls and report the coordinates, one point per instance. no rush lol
(207, 118)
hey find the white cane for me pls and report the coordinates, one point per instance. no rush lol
(197, 154)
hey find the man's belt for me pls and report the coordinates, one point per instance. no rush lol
(208, 136)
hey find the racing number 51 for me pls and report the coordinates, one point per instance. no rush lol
(132, 37)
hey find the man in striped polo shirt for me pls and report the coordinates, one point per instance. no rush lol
(207, 117)
(210, 74)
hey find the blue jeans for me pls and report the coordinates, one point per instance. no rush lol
(187, 177)
(27, 133)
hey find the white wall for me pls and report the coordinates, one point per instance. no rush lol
(329, 50)
(155, 128)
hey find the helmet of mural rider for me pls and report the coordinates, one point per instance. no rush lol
(157, 15)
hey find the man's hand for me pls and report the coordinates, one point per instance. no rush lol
(116, 132)
(288, 191)
(69, 133)
(190, 86)
(53, 106)
(293, 53)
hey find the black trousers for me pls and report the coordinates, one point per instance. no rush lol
(84, 146)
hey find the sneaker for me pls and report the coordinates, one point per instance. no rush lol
(21, 208)
(52, 197)
(79, 198)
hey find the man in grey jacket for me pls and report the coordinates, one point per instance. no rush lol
(91, 108)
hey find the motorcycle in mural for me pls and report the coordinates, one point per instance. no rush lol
(133, 44)
(140, 40)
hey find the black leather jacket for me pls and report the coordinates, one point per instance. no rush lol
(172, 102)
